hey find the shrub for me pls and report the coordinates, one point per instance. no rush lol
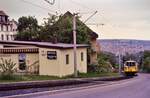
(92, 68)
(7, 67)
(100, 67)
(146, 67)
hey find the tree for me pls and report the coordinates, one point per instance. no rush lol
(55, 29)
(109, 57)
(48, 31)
(104, 65)
(59, 29)
(146, 61)
(28, 29)
(128, 56)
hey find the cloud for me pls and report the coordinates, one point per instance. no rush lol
(122, 18)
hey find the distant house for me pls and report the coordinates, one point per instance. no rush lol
(65, 22)
(7, 27)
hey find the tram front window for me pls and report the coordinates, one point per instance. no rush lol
(130, 63)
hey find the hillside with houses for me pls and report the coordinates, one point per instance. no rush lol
(123, 46)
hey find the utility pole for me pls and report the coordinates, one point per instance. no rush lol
(75, 41)
(119, 57)
(119, 64)
(75, 46)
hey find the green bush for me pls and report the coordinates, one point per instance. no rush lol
(7, 67)
(100, 67)
(92, 67)
(103, 65)
(146, 62)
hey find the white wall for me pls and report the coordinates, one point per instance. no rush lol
(11, 32)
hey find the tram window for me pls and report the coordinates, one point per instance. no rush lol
(130, 63)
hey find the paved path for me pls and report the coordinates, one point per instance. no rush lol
(138, 87)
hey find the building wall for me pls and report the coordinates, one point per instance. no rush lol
(52, 67)
(59, 67)
(13, 57)
(30, 59)
(49, 67)
(7, 35)
(32, 62)
(67, 69)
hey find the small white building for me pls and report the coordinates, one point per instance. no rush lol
(7, 28)
(44, 58)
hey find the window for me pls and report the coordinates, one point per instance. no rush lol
(2, 37)
(22, 61)
(82, 56)
(130, 63)
(0, 18)
(7, 37)
(7, 29)
(67, 59)
(1, 27)
(11, 28)
(12, 37)
(3, 19)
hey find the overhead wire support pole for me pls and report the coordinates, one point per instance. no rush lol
(90, 16)
(75, 46)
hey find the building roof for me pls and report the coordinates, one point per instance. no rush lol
(42, 44)
(2, 13)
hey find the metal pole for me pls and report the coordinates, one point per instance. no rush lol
(119, 58)
(142, 59)
(75, 46)
(119, 64)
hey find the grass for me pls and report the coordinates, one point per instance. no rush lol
(88, 75)
(17, 78)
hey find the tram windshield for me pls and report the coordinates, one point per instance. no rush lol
(130, 63)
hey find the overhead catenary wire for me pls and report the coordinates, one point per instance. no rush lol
(90, 16)
(91, 11)
(38, 6)
(81, 5)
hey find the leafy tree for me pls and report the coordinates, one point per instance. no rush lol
(146, 64)
(54, 29)
(27, 29)
(128, 56)
(59, 28)
(48, 31)
(146, 61)
(109, 57)
(103, 65)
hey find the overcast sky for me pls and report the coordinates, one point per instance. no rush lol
(122, 19)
